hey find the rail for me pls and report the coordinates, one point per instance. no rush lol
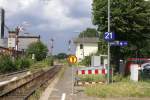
(25, 87)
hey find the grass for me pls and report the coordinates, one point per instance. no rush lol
(46, 63)
(120, 89)
(92, 78)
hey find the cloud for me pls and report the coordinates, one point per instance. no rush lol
(13, 7)
(61, 19)
(67, 13)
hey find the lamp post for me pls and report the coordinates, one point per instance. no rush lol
(108, 42)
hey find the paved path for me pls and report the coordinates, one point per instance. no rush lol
(64, 85)
(63, 89)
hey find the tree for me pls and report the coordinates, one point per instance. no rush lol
(130, 21)
(39, 49)
(89, 32)
(61, 56)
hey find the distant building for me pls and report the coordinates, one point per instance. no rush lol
(20, 43)
(85, 47)
(15, 42)
(12, 39)
(4, 42)
(25, 41)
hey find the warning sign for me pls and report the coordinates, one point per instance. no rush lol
(72, 59)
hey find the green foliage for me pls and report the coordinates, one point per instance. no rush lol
(86, 61)
(7, 64)
(120, 89)
(130, 21)
(61, 56)
(49, 61)
(144, 75)
(92, 78)
(43, 64)
(117, 77)
(102, 47)
(89, 32)
(39, 49)
(120, 78)
(22, 63)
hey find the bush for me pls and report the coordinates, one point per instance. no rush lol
(118, 78)
(86, 61)
(44, 63)
(22, 63)
(49, 61)
(6, 64)
(61, 56)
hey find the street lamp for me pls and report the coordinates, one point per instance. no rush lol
(108, 42)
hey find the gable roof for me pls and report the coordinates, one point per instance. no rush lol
(86, 40)
(29, 37)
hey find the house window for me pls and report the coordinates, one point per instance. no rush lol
(81, 46)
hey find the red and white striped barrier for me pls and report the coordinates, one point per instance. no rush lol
(91, 71)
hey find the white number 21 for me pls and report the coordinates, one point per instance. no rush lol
(108, 35)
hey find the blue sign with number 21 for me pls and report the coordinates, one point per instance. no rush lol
(109, 36)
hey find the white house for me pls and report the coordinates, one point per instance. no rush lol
(85, 47)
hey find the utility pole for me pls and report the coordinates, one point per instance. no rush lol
(83, 44)
(17, 40)
(69, 47)
(108, 42)
(52, 41)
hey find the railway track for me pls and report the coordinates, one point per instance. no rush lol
(10, 76)
(21, 73)
(25, 90)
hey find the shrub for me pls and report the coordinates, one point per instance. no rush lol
(6, 64)
(44, 63)
(118, 77)
(22, 63)
(86, 61)
(48, 61)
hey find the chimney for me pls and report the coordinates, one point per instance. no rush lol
(2, 22)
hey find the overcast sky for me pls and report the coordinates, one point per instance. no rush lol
(58, 19)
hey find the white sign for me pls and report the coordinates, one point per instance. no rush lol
(11, 42)
(134, 72)
(105, 63)
(95, 61)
